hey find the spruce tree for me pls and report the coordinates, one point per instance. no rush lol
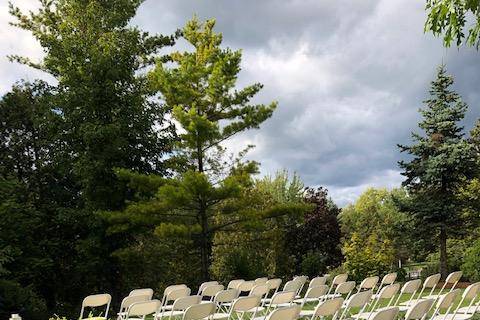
(441, 159)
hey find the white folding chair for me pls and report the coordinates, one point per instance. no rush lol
(317, 281)
(233, 284)
(223, 300)
(127, 302)
(281, 299)
(210, 291)
(205, 284)
(470, 293)
(430, 283)
(357, 301)
(445, 302)
(199, 311)
(302, 280)
(171, 296)
(341, 278)
(419, 309)
(410, 288)
(140, 310)
(387, 279)
(262, 280)
(242, 306)
(368, 283)
(260, 291)
(328, 308)
(96, 300)
(343, 289)
(313, 294)
(284, 313)
(389, 313)
(386, 294)
(452, 279)
(142, 292)
(182, 304)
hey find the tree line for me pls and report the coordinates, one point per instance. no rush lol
(115, 175)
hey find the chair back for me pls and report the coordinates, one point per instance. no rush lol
(389, 291)
(283, 297)
(345, 287)
(172, 288)
(292, 285)
(411, 286)
(359, 300)
(341, 278)
(328, 308)
(199, 311)
(470, 293)
(128, 301)
(454, 277)
(432, 281)
(274, 284)
(184, 302)
(177, 293)
(446, 300)
(285, 313)
(262, 280)
(419, 309)
(145, 308)
(96, 300)
(317, 281)
(246, 286)
(211, 290)
(389, 313)
(206, 284)
(259, 290)
(233, 284)
(316, 292)
(142, 292)
(389, 278)
(243, 304)
(368, 283)
(226, 296)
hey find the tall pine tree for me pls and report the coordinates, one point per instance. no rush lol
(442, 158)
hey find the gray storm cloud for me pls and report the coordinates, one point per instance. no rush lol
(349, 77)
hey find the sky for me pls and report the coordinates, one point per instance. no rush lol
(349, 77)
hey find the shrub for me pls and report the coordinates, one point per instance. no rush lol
(16, 299)
(471, 263)
(368, 258)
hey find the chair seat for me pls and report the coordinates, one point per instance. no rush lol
(307, 313)
(411, 302)
(220, 315)
(452, 316)
(165, 308)
(469, 309)
(306, 300)
(364, 315)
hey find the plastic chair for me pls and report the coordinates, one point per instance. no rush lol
(96, 300)
(140, 310)
(199, 311)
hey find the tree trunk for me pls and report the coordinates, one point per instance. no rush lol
(443, 252)
(205, 246)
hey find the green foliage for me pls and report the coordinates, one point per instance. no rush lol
(376, 212)
(471, 264)
(442, 161)
(102, 93)
(200, 89)
(368, 257)
(15, 298)
(449, 19)
(314, 242)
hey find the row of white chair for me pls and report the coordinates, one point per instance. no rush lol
(177, 299)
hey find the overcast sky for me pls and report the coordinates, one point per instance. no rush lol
(349, 77)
